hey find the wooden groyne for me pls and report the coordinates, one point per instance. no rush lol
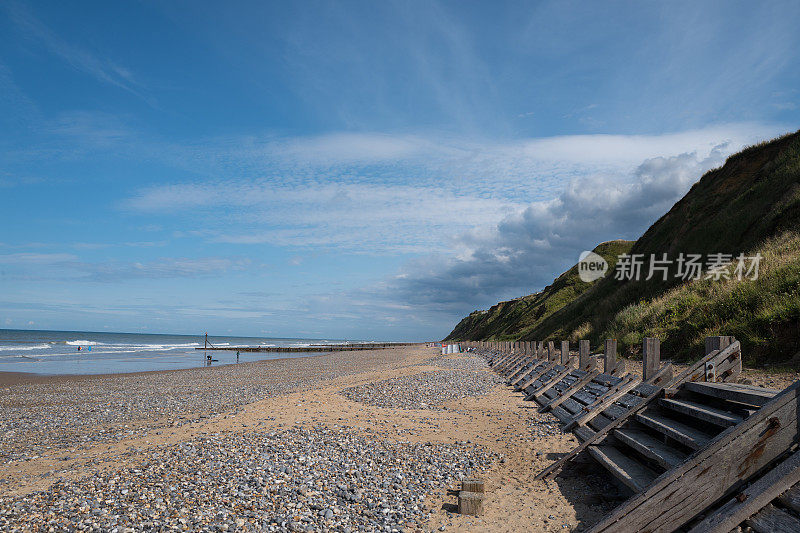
(313, 348)
(696, 450)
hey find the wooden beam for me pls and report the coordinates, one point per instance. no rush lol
(651, 357)
(629, 382)
(567, 394)
(714, 472)
(584, 361)
(696, 372)
(753, 498)
(610, 354)
(539, 372)
(734, 392)
(552, 382)
(550, 471)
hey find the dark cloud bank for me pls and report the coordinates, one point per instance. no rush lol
(527, 250)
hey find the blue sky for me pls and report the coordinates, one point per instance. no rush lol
(369, 170)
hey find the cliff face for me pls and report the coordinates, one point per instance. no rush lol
(750, 205)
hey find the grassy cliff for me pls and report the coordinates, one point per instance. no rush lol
(749, 205)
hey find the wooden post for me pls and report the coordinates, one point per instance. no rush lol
(475, 485)
(551, 351)
(717, 343)
(565, 353)
(583, 355)
(713, 344)
(470, 503)
(610, 352)
(651, 357)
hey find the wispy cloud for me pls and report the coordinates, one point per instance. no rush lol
(61, 266)
(403, 193)
(80, 58)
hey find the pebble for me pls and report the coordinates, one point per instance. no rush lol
(426, 390)
(295, 479)
(41, 417)
(459, 362)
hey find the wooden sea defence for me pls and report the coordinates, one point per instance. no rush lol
(312, 348)
(694, 450)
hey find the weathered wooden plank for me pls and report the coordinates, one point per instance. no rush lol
(646, 389)
(770, 519)
(572, 406)
(696, 372)
(629, 400)
(568, 393)
(753, 498)
(599, 421)
(553, 381)
(522, 378)
(651, 357)
(651, 447)
(614, 411)
(536, 373)
(585, 360)
(791, 498)
(584, 397)
(728, 391)
(610, 356)
(686, 435)
(522, 369)
(548, 378)
(602, 402)
(564, 352)
(562, 414)
(729, 460)
(551, 470)
(607, 380)
(632, 474)
(597, 386)
(585, 434)
(702, 412)
(529, 372)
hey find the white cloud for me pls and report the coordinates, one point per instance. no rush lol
(402, 193)
(528, 249)
(101, 68)
(36, 259)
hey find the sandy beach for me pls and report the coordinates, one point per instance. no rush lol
(372, 440)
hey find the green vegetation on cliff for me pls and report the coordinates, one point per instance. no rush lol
(750, 205)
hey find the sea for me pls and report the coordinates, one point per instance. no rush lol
(85, 352)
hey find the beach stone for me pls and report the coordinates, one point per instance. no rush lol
(231, 479)
(426, 390)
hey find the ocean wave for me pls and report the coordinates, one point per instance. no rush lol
(124, 346)
(19, 348)
(83, 343)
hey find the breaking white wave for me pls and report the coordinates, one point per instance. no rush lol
(19, 348)
(141, 347)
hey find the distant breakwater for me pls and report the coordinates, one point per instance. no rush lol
(317, 348)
